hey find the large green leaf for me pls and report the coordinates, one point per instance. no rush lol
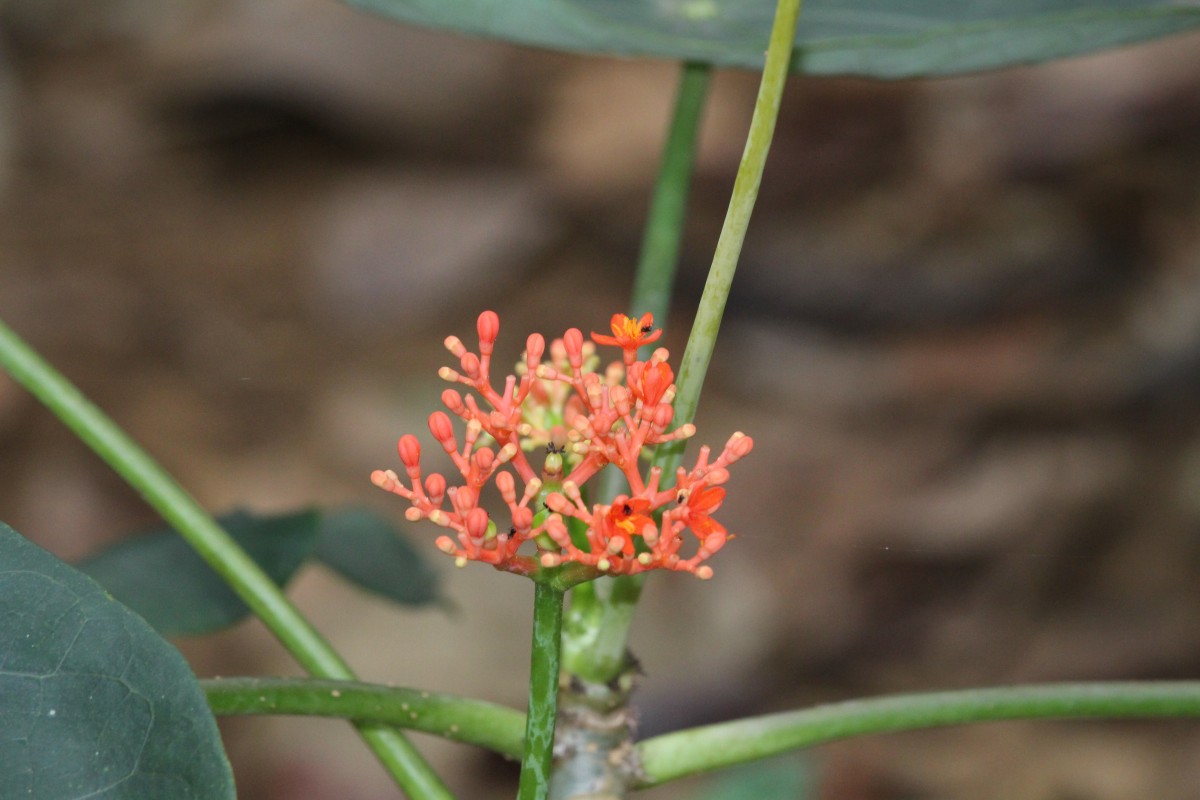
(367, 550)
(93, 702)
(881, 38)
(159, 576)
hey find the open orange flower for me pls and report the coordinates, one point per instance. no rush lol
(700, 503)
(629, 333)
(625, 519)
(651, 381)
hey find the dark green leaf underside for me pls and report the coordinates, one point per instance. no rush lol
(93, 702)
(161, 577)
(158, 575)
(879, 38)
(365, 549)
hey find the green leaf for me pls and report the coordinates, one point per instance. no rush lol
(789, 777)
(159, 576)
(93, 702)
(880, 38)
(367, 550)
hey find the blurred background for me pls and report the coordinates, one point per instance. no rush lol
(965, 336)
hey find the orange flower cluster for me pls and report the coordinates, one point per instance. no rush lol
(583, 421)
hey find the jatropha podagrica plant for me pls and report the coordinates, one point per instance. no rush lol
(582, 420)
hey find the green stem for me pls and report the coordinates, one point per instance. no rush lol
(659, 258)
(703, 337)
(596, 632)
(658, 261)
(212, 543)
(676, 755)
(460, 719)
(597, 629)
(538, 759)
(615, 605)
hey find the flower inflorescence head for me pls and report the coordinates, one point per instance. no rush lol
(582, 421)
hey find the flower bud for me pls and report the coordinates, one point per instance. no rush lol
(738, 446)
(464, 499)
(663, 414)
(522, 519)
(435, 487)
(453, 401)
(573, 343)
(470, 365)
(535, 348)
(556, 502)
(484, 458)
(410, 450)
(488, 327)
(552, 467)
(507, 487)
(557, 531)
(717, 476)
(442, 430)
(477, 524)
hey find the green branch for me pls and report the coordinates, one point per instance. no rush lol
(538, 759)
(212, 543)
(613, 602)
(597, 629)
(659, 258)
(703, 337)
(677, 755)
(474, 722)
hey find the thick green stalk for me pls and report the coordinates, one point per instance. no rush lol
(212, 543)
(659, 257)
(677, 755)
(597, 626)
(612, 606)
(703, 337)
(596, 631)
(461, 719)
(538, 759)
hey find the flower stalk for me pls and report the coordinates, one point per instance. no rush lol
(611, 605)
(537, 763)
(658, 260)
(702, 340)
